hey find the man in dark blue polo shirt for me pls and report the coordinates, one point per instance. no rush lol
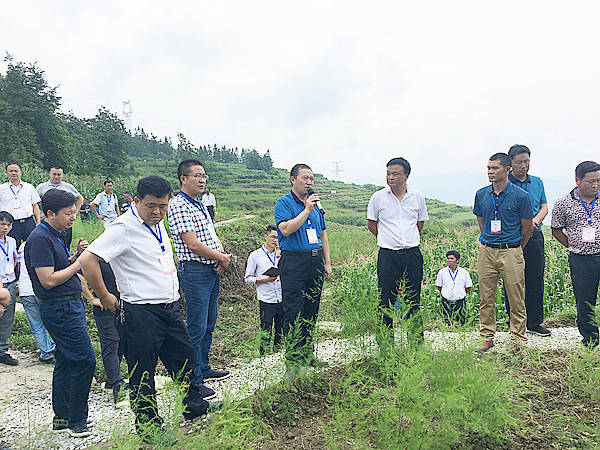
(504, 214)
(304, 262)
(53, 273)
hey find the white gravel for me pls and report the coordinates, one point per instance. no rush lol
(25, 390)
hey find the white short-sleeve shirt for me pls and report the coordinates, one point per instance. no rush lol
(209, 199)
(107, 204)
(7, 260)
(25, 287)
(453, 290)
(42, 188)
(134, 255)
(397, 221)
(18, 200)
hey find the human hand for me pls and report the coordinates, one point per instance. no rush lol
(328, 270)
(101, 216)
(95, 301)
(311, 201)
(109, 302)
(82, 245)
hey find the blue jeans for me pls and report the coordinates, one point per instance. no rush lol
(200, 285)
(8, 318)
(31, 304)
(75, 359)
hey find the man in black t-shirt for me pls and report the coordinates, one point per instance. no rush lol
(53, 273)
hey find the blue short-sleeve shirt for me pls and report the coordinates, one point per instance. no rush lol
(513, 204)
(534, 186)
(286, 208)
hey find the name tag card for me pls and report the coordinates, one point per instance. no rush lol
(167, 264)
(311, 233)
(496, 226)
(9, 268)
(588, 234)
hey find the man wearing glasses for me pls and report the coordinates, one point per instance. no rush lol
(201, 262)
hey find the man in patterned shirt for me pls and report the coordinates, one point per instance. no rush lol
(578, 214)
(201, 261)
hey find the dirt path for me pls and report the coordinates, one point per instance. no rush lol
(235, 219)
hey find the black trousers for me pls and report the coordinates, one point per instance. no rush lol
(21, 230)
(301, 277)
(113, 349)
(535, 263)
(400, 272)
(585, 275)
(454, 311)
(152, 332)
(271, 316)
(211, 211)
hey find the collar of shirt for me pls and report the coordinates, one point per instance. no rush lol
(296, 198)
(575, 196)
(514, 180)
(409, 192)
(53, 231)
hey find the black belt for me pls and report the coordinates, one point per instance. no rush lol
(315, 252)
(23, 220)
(504, 246)
(401, 250)
(197, 263)
(60, 299)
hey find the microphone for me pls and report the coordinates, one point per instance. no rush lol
(319, 206)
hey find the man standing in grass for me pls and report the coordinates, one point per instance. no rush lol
(53, 274)
(106, 205)
(20, 199)
(454, 283)
(209, 200)
(395, 216)
(8, 264)
(504, 214)
(304, 264)
(576, 225)
(56, 182)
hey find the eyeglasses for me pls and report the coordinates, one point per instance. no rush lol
(198, 175)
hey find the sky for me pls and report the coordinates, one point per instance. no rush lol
(443, 84)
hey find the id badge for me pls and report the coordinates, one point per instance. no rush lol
(9, 268)
(167, 264)
(588, 234)
(311, 233)
(496, 226)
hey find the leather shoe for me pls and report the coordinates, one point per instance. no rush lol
(9, 360)
(212, 374)
(485, 346)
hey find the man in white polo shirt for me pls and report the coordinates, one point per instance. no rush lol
(106, 205)
(146, 278)
(20, 199)
(454, 283)
(395, 216)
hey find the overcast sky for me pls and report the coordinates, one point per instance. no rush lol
(444, 84)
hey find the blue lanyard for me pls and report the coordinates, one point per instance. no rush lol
(59, 240)
(524, 187)
(157, 236)
(588, 211)
(108, 198)
(12, 190)
(196, 203)
(455, 275)
(5, 251)
(56, 185)
(269, 256)
(500, 202)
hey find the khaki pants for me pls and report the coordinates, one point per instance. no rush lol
(510, 265)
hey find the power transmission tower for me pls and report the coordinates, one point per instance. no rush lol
(127, 114)
(337, 169)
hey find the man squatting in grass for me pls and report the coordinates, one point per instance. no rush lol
(53, 274)
(8, 267)
(202, 259)
(395, 216)
(304, 263)
(576, 225)
(268, 288)
(504, 214)
(454, 283)
(534, 250)
(146, 278)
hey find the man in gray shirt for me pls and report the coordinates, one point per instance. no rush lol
(56, 182)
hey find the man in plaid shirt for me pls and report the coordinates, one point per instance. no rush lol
(201, 261)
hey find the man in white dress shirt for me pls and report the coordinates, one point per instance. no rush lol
(20, 199)
(106, 205)
(209, 200)
(268, 288)
(395, 216)
(454, 283)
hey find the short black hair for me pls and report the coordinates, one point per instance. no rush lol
(401, 161)
(128, 193)
(57, 168)
(5, 215)
(453, 253)
(153, 185)
(585, 167)
(503, 158)
(271, 228)
(12, 164)
(296, 169)
(54, 200)
(182, 168)
(518, 149)
(108, 181)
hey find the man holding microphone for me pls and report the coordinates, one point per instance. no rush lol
(304, 262)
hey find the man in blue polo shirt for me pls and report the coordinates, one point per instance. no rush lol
(534, 251)
(53, 273)
(504, 214)
(304, 261)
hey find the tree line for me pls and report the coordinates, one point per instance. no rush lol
(34, 130)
